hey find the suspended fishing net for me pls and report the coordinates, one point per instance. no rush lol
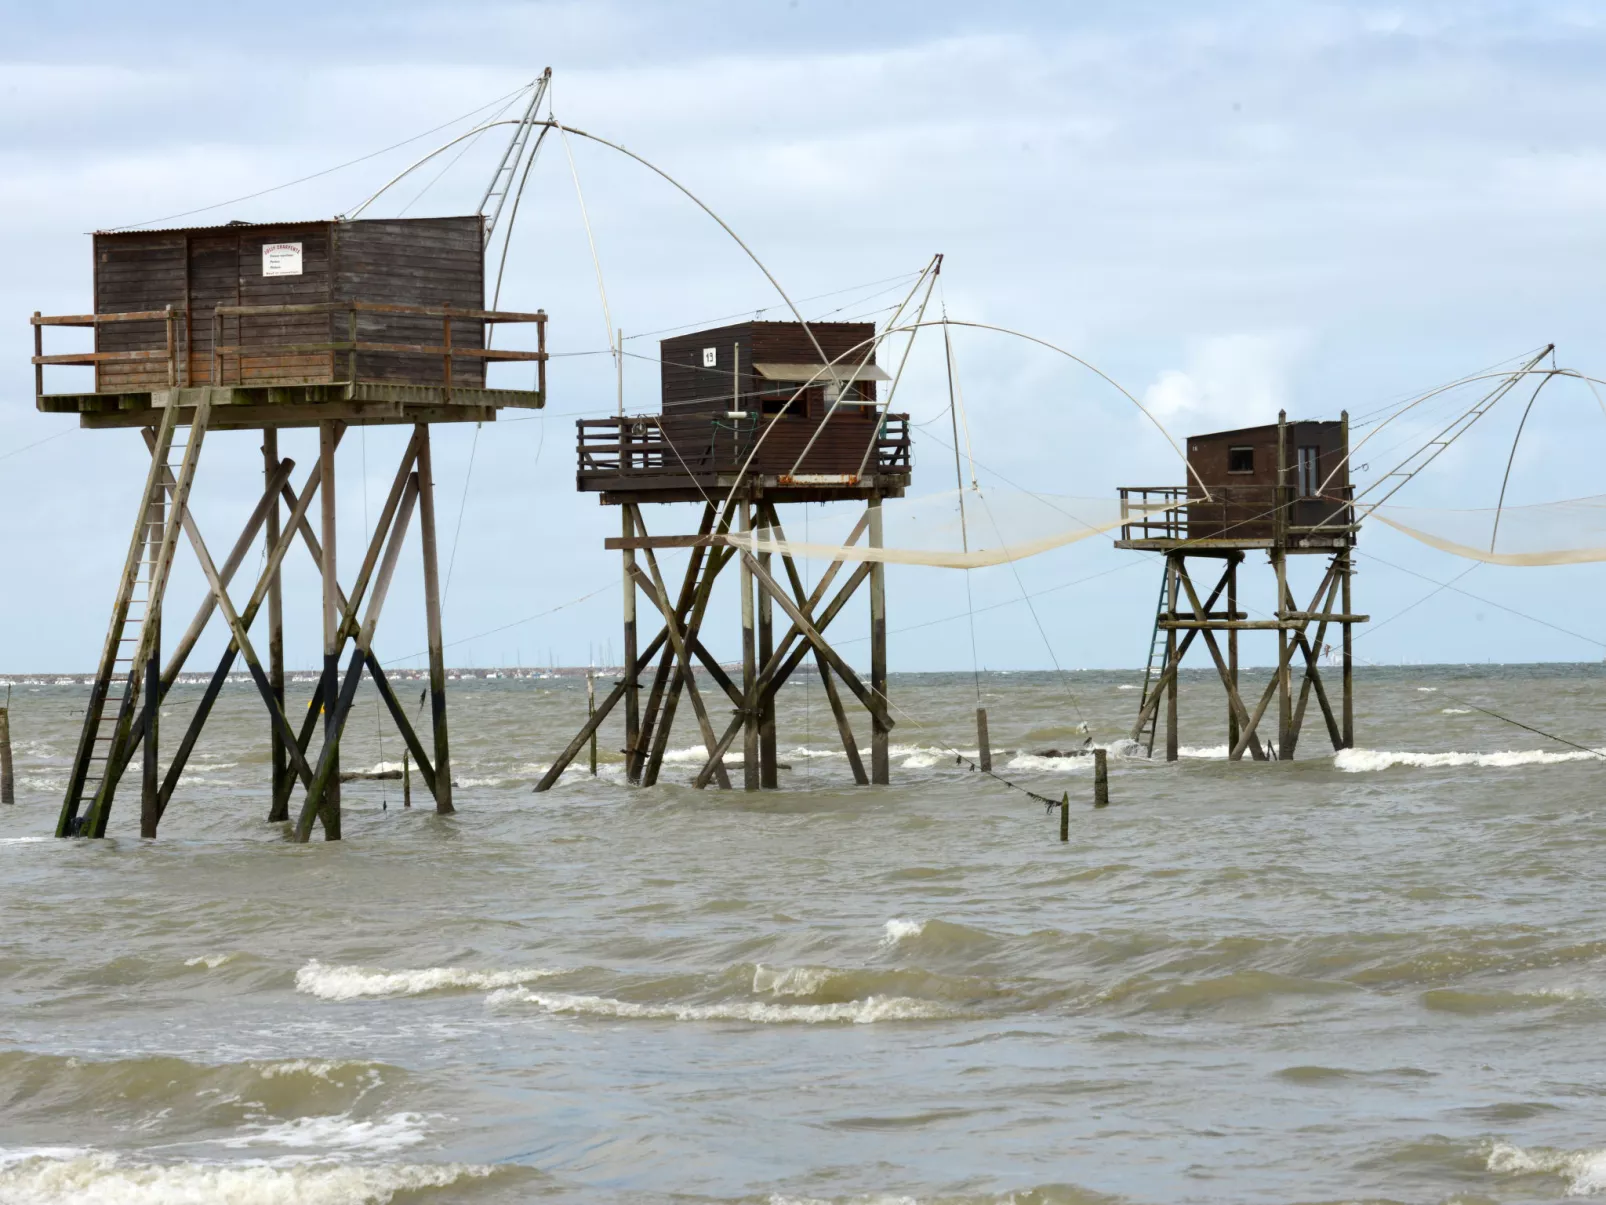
(958, 529)
(1548, 533)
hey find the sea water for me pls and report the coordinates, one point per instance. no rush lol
(1375, 976)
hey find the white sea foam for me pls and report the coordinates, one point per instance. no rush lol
(332, 982)
(1206, 752)
(1126, 686)
(1359, 761)
(342, 1132)
(857, 1012)
(210, 961)
(1035, 761)
(54, 1176)
(1585, 1170)
(1455, 711)
(899, 928)
(1428, 690)
(697, 754)
(790, 981)
(919, 761)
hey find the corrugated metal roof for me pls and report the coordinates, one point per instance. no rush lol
(121, 230)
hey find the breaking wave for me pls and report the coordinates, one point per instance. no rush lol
(1361, 761)
(1584, 1171)
(855, 1012)
(56, 1175)
(334, 982)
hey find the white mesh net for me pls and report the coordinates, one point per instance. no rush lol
(1548, 533)
(958, 529)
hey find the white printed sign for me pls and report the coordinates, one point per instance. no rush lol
(281, 259)
(710, 357)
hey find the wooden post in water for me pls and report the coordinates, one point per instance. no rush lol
(1065, 816)
(1232, 649)
(1346, 570)
(150, 807)
(751, 778)
(768, 767)
(591, 713)
(432, 607)
(1285, 701)
(332, 636)
(1101, 778)
(8, 789)
(880, 765)
(1172, 567)
(984, 748)
(277, 810)
(632, 700)
(407, 778)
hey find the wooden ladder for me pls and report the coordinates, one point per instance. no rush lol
(1155, 668)
(109, 719)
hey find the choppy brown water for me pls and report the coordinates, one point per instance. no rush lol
(1381, 979)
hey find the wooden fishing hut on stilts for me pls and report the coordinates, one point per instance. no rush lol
(751, 421)
(254, 327)
(1282, 489)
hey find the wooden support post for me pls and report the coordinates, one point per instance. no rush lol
(1232, 650)
(8, 786)
(768, 766)
(1285, 702)
(984, 748)
(407, 778)
(150, 782)
(591, 712)
(750, 768)
(1172, 569)
(333, 638)
(1065, 816)
(432, 606)
(633, 758)
(1101, 779)
(1348, 728)
(880, 730)
(271, 532)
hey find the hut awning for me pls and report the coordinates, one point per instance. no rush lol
(805, 372)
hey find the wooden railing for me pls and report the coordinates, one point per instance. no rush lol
(697, 444)
(1238, 512)
(176, 352)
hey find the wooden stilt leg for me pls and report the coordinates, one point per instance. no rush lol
(332, 636)
(1348, 733)
(271, 532)
(1172, 569)
(150, 793)
(768, 769)
(1285, 708)
(627, 519)
(850, 744)
(880, 731)
(750, 767)
(1232, 649)
(432, 605)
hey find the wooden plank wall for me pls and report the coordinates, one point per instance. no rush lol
(687, 387)
(135, 272)
(413, 261)
(276, 330)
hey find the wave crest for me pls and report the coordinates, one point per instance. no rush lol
(335, 982)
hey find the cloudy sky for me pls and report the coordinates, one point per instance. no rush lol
(1230, 208)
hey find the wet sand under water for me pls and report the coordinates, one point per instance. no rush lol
(1380, 977)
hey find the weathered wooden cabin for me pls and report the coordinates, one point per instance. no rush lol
(267, 326)
(720, 388)
(290, 314)
(1284, 489)
(751, 417)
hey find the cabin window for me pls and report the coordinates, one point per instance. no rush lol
(778, 393)
(1240, 460)
(1309, 471)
